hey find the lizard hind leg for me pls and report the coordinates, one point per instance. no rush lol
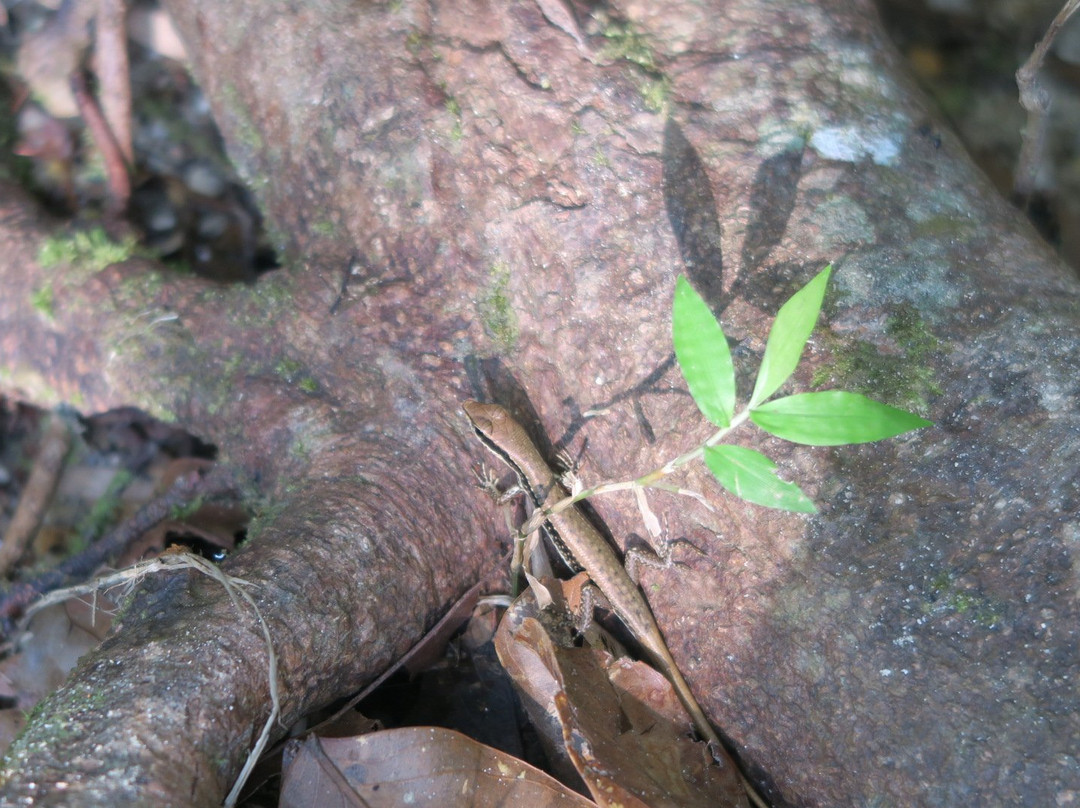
(582, 598)
(656, 554)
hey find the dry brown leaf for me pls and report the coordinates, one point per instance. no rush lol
(539, 589)
(46, 654)
(414, 766)
(92, 613)
(619, 722)
(213, 524)
(574, 593)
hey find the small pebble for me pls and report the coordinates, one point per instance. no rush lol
(203, 179)
(161, 218)
(212, 224)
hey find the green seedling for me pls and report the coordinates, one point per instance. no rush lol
(828, 418)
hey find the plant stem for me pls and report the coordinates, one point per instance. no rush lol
(648, 480)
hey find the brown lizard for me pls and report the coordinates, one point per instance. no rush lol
(581, 545)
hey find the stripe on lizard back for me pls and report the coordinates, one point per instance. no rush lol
(509, 441)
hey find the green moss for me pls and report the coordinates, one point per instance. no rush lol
(95, 698)
(300, 451)
(944, 226)
(457, 131)
(324, 227)
(416, 42)
(233, 364)
(220, 393)
(655, 93)
(291, 371)
(42, 301)
(903, 377)
(496, 312)
(625, 42)
(85, 250)
(944, 596)
(265, 512)
(139, 287)
(273, 293)
(180, 512)
(287, 368)
(908, 328)
(32, 715)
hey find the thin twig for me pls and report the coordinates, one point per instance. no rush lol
(38, 491)
(235, 587)
(114, 74)
(1036, 100)
(652, 479)
(186, 489)
(116, 169)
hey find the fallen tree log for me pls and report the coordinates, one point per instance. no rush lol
(521, 194)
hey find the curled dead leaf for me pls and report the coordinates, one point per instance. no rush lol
(618, 722)
(414, 766)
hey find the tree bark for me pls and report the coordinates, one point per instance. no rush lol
(521, 196)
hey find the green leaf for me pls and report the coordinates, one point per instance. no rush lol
(787, 338)
(833, 418)
(750, 475)
(703, 354)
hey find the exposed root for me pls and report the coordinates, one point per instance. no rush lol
(127, 579)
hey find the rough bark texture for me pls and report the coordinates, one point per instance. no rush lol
(521, 209)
